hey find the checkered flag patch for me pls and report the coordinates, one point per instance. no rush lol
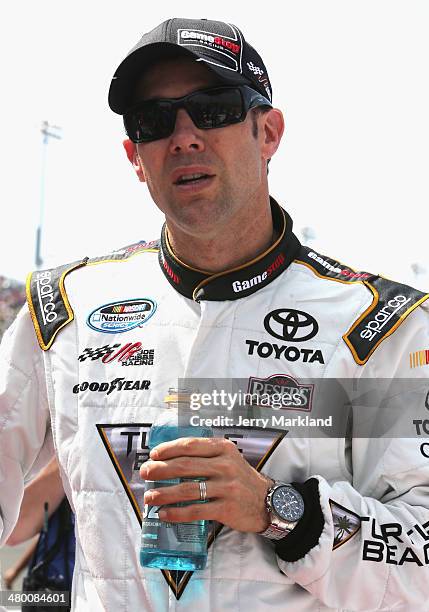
(97, 353)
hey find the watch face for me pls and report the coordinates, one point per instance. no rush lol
(288, 503)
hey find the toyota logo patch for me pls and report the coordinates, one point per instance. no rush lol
(291, 325)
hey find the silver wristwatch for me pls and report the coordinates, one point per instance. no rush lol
(285, 507)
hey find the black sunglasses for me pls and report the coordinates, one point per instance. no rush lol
(211, 108)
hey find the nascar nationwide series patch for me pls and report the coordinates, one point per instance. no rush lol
(47, 300)
(122, 316)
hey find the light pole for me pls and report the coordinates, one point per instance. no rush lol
(48, 131)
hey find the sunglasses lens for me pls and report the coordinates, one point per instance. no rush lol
(216, 108)
(212, 108)
(151, 121)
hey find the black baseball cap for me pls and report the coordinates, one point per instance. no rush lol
(220, 45)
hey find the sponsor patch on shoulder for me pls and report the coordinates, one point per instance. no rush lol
(122, 316)
(47, 298)
(47, 302)
(392, 304)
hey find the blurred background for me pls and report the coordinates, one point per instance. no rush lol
(351, 78)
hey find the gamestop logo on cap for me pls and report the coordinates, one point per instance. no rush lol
(216, 49)
(211, 40)
(221, 46)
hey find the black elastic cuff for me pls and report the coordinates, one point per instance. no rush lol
(306, 534)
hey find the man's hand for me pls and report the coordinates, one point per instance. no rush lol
(235, 490)
(9, 578)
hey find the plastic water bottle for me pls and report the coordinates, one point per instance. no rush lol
(164, 545)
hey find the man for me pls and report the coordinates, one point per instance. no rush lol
(227, 293)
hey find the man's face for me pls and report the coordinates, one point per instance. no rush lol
(229, 158)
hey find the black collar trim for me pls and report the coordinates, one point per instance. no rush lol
(237, 282)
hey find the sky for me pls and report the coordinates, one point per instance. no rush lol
(350, 76)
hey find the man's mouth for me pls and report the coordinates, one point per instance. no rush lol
(197, 177)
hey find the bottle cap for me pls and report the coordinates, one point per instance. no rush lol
(178, 395)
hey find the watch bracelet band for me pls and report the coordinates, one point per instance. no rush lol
(283, 528)
(272, 532)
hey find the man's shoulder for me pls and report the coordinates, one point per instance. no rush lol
(325, 267)
(390, 302)
(47, 296)
(130, 250)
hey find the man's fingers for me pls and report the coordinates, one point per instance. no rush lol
(179, 467)
(210, 511)
(184, 492)
(192, 447)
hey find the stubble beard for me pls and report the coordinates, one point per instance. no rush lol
(202, 215)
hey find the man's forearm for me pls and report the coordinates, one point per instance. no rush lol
(46, 487)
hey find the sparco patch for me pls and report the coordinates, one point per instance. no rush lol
(392, 303)
(293, 395)
(121, 316)
(47, 301)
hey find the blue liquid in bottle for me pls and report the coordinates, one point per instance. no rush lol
(173, 546)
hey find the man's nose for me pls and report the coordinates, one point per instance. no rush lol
(186, 135)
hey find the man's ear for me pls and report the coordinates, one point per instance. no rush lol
(134, 158)
(273, 128)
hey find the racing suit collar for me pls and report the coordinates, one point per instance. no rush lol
(236, 282)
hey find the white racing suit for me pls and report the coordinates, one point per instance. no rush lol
(87, 365)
